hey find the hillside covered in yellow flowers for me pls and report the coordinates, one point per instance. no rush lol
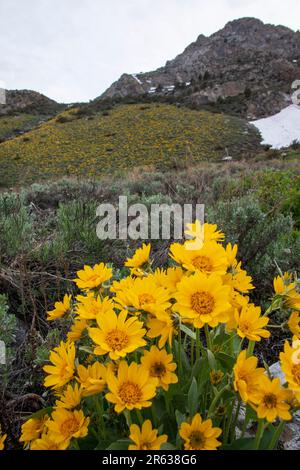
(113, 141)
(12, 125)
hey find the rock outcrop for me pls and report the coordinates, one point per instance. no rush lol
(28, 101)
(247, 68)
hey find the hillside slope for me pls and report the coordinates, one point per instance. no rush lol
(28, 101)
(125, 137)
(23, 110)
(16, 124)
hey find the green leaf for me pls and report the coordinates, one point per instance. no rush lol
(184, 358)
(221, 338)
(225, 360)
(41, 413)
(271, 436)
(211, 360)
(251, 414)
(193, 398)
(122, 444)
(179, 402)
(198, 367)
(86, 349)
(167, 446)
(188, 331)
(170, 426)
(245, 443)
(180, 417)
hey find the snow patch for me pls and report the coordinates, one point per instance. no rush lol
(137, 79)
(169, 87)
(281, 129)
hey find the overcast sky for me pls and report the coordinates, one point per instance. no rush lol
(72, 50)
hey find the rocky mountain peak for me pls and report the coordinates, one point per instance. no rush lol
(243, 25)
(246, 68)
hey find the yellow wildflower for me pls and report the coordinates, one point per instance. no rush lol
(116, 335)
(200, 435)
(204, 299)
(131, 388)
(62, 370)
(247, 376)
(159, 364)
(90, 278)
(270, 400)
(65, 425)
(92, 378)
(250, 323)
(146, 438)
(139, 260)
(60, 308)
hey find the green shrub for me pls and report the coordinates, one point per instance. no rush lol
(76, 224)
(264, 239)
(8, 326)
(273, 187)
(292, 203)
(16, 231)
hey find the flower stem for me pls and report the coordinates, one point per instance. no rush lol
(179, 352)
(274, 441)
(140, 417)
(198, 344)
(227, 424)
(128, 418)
(208, 338)
(99, 409)
(75, 445)
(250, 349)
(167, 402)
(101, 417)
(259, 434)
(192, 350)
(154, 414)
(216, 399)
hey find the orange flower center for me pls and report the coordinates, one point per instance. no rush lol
(197, 440)
(296, 373)
(130, 393)
(93, 278)
(117, 339)
(157, 369)
(202, 302)
(146, 446)
(216, 376)
(69, 427)
(270, 400)
(52, 446)
(221, 410)
(65, 371)
(146, 299)
(245, 326)
(203, 263)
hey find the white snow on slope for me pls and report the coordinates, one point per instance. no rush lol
(136, 78)
(281, 129)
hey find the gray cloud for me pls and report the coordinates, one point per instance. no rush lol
(72, 50)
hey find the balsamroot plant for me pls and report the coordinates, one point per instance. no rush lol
(165, 358)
